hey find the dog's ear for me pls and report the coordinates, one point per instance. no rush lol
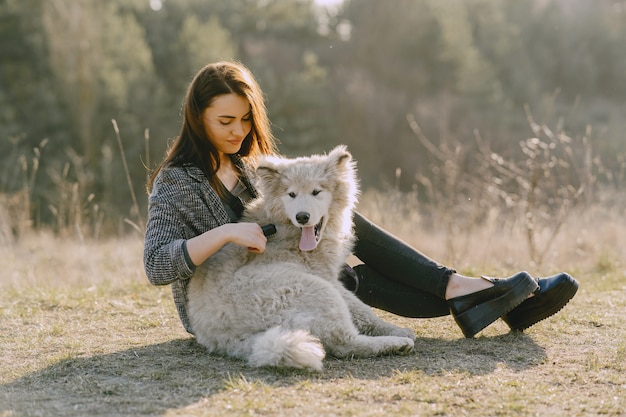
(339, 157)
(268, 172)
(342, 169)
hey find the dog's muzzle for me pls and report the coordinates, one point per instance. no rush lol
(310, 234)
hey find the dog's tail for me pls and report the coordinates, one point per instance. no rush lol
(287, 348)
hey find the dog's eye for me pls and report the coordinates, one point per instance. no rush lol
(316, 192)
(292, 194)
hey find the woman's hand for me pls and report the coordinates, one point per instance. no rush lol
(248, 235)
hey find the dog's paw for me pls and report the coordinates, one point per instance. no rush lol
(405, 349)
(402, 332)
(401, 346)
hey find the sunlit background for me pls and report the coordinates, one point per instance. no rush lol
(449, 103)
(488, 134)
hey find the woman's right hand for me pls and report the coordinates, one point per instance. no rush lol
(248, 235)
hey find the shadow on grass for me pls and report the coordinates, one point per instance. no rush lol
(152, 379)
(479, 356)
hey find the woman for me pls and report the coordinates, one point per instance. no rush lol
(198, 193)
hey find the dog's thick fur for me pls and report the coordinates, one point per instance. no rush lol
(285, 307)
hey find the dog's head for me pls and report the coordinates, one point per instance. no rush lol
(312, 193)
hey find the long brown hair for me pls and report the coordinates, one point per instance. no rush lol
(192, 146)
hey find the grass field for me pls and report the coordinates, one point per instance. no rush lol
(82, 333)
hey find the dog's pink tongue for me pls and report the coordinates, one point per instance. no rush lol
(307, 240)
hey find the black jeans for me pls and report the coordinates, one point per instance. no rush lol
(396, 277)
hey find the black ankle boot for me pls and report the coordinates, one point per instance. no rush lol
(473, 312)
(552, 295)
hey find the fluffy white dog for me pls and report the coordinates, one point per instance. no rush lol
(285, 307)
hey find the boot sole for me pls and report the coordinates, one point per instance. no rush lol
(566, 294)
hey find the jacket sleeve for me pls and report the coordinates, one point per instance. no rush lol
(172, 207)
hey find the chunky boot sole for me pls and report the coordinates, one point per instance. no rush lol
(545, 305)
(476, 318)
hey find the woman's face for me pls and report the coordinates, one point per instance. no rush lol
(227, 121)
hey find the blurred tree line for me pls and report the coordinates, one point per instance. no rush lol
(462, 70)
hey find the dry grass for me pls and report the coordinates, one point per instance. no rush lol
(591, 239)
(83, 333)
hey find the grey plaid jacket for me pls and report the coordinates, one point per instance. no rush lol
(181, 205)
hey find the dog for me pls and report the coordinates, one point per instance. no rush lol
(285, 307)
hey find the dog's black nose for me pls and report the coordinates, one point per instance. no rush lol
(303, 217)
